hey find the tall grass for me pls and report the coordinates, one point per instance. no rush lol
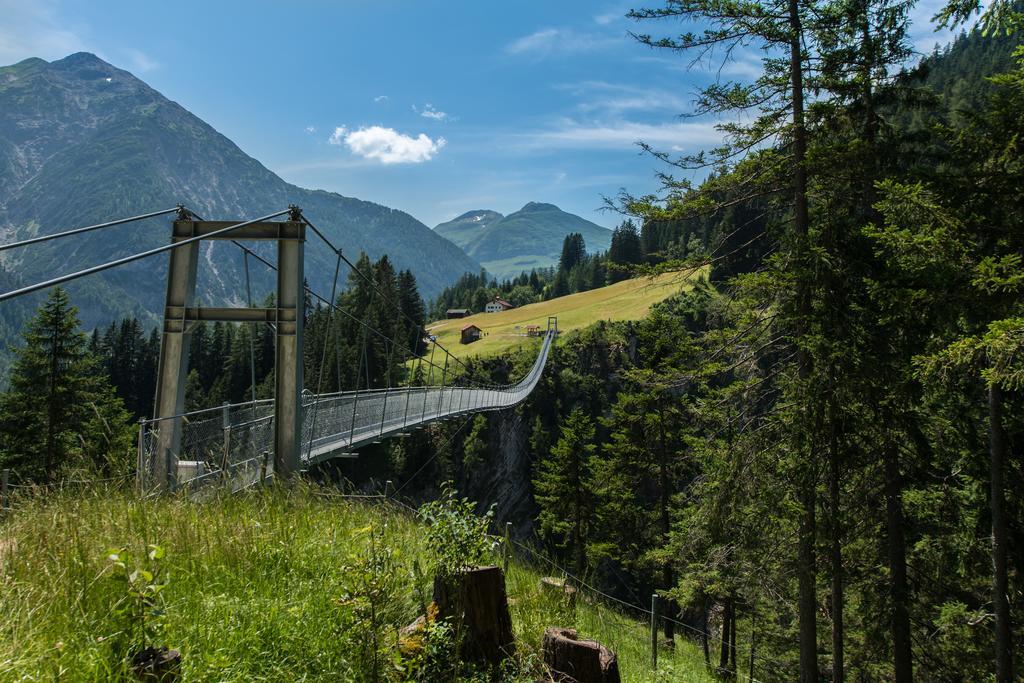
(253, 591)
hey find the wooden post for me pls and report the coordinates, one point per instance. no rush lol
(507, 548)
(5, 478)
(387, 489)
(654, 631)
(263, 468)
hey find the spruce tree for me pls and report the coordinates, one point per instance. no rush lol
(60, 411)
(565, 489)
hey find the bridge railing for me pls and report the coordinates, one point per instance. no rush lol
(233, 444)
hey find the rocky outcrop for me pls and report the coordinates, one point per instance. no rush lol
(504, 477)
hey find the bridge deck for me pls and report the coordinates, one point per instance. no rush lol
(233, 443)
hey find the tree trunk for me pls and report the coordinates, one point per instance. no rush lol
(836, 553)
(723, 654)
(474, 601)
(668, 576)
(903, 671)
(1000, 589)
(578, 661)
(705, 626)
(732, 640)
(806, 561)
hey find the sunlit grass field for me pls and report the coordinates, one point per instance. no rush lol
(626, 300)
(254, 588)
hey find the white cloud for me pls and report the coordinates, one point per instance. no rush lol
(559, 41)
(612, 99)
(607, 18)
(338, 136)
(380, 99)
(140, 62)
(428, 112)
(572, 134)
(387, 145)
(311, 129)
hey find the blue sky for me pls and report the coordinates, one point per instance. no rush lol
(432, 107)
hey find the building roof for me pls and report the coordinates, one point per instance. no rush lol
(502, 302)
(469, 327)
(457, 310)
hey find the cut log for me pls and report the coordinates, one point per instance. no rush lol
(156, 664)
(412, 638)
(475, 603)
(555, 586)
(578, 661)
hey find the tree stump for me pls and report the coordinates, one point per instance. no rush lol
(578, 661)
(156, 664)
(475, 603)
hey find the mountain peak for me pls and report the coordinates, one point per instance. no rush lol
(538, 206)
(81, 58)
(477, 215)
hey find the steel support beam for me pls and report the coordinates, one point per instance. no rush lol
(288, 361)
(173, 366)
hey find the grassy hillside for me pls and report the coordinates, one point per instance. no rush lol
(260, 587)
(626, 300)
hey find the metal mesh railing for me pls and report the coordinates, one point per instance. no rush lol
(233, 445)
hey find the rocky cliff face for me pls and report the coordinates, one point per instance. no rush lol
(504, 478)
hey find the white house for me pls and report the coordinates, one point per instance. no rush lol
(497, 306)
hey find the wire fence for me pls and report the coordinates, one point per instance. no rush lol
(655, 618)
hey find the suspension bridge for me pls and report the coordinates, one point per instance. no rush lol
(238, 445)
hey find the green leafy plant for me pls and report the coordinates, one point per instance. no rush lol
(430, 652)
(140, 607)
(371, 597)
(457, 536)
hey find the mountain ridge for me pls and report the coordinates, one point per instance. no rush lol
(82, 141)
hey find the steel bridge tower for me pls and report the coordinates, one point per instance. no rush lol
(181, 314)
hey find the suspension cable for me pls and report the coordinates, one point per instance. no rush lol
(322, 299)
(88, 228)
(373, 284)
(252, 329)
(134, 257)
(323, 358)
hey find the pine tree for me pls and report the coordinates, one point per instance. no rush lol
(566, 490)
(60, 411)
(574, 250)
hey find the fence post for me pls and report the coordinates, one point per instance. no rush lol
(507, 547)
(387, 489)
(226, 426)
(140, 460)
(654, 631)
(263, 468)
(5, 478)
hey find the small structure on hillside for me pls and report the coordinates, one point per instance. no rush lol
(534, 331)
(497, 306)
(470, 334)
(457, 313)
